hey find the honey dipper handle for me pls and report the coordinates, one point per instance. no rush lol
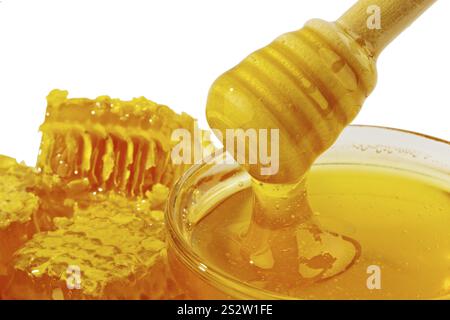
(378, 22)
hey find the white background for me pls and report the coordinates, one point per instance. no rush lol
(171, 51)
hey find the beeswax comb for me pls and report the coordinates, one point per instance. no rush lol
(309, 83)
(18, 209)
(117, 145)
(114, 249)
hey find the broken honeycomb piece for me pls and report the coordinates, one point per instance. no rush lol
(117, 245)
(18, 209)
(29, 201)
(117, 145)
(16, 204)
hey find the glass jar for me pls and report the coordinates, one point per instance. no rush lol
(206, 185)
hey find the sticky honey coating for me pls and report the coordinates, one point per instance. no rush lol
(24, 210)
(17, 205)
(117, 145)
(308, 84)
(117, 245)
(18, 209)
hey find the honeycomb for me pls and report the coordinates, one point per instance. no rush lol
(117, 246)
(17, 204)
(87, 222)
(117, 145)
(18, 209)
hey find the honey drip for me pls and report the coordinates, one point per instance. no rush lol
(283, 232)
(309, 84)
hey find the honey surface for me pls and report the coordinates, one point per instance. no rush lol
(399, 220)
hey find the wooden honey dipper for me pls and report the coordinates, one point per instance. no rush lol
(309, 84)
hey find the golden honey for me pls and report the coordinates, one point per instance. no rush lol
(399, 221)
(309, 85)
(94, 203)
(389, 199)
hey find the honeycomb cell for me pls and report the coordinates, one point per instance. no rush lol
(18, 209)
(113, 249)
(93, 204)
(117, 145)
